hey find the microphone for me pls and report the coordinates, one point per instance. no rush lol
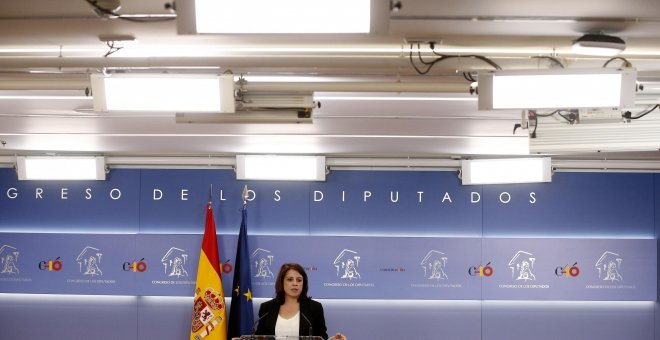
(308, 322)
(254, 327)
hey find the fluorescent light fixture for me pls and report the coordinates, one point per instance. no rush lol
(557, 88)
(281, 17)
(60, 168)
(503, 171)
(599, 45)
(163, 92)
(557, 137)
(260, 108)
(279, 167)
(247, 117)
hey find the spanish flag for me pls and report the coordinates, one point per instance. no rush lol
(209, 315)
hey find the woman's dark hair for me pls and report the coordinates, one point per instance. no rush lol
(279, 284)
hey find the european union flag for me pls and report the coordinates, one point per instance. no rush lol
(241, 317)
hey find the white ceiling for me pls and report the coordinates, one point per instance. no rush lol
(48, 49)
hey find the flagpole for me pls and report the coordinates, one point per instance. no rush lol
(209, 315)
(245, 196)
(241, 317)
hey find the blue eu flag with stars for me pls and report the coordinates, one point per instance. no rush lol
(241, 318)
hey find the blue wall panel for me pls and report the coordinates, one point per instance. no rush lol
(163, 317)
(437, 268)
(518, 320)
(414, 319)
(603, 269)
(609, 205)
(110, 206)
(90, 264)
(171, 202)
(361, 203)
(68, 317)
(82, 317)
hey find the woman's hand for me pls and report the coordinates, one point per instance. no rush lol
(339, 336)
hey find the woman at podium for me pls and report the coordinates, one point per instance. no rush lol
(292, 312)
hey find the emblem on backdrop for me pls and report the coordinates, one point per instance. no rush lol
(262, 260)
(522, 266)
(89, 261)
(174, 262)
(347, 264)
(608, 266)
(9, 260)
(434, 264)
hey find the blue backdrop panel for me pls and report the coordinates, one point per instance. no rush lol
(172, 264)
(67, 317)
(607, 205)
(358, 203)
(392, 319)
(371, 267)
(524, 320)
(88, 264)
(571, 269)
(358, 319)
(110, 206)
(172, 201)
(164, 317)
(338, 267)
(425, 204)
(598, 216)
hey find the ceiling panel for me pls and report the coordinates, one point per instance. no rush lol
(53, 44)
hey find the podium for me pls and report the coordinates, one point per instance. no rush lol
(272, 337)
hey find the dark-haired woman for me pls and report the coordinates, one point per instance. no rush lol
(292, 312)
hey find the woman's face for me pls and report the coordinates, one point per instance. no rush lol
(293, 283)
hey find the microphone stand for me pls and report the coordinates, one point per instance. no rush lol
(311, 333)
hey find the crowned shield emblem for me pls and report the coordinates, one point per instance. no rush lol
(206, 310)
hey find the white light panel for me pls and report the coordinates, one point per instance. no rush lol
(163, 92)
(278, 167)
(548, 89)
(60, 168)
(276, 17)
(504, 171)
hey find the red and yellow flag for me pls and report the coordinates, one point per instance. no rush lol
(209, 312)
